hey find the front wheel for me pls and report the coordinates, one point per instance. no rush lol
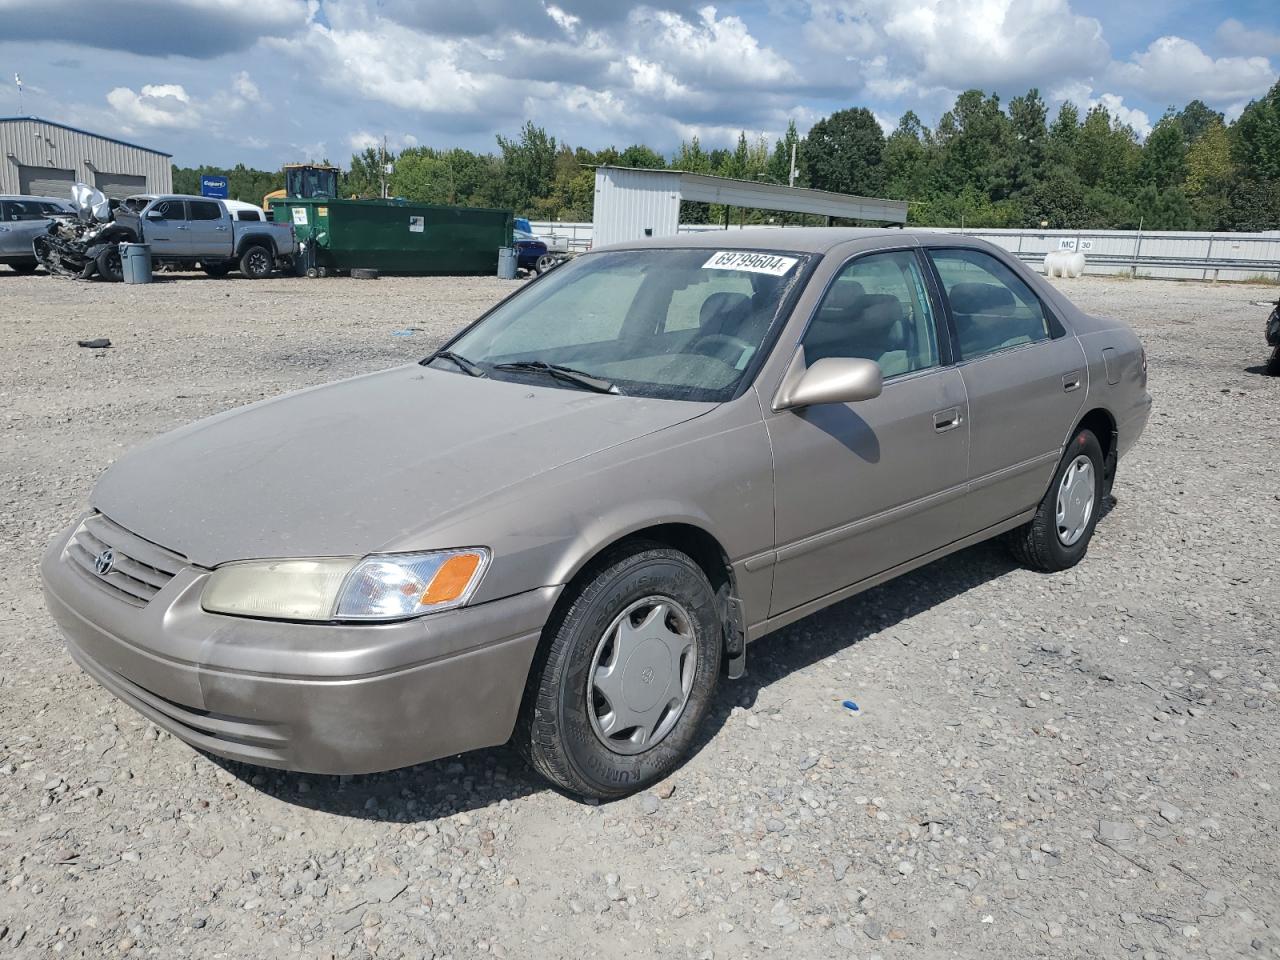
(110, 266)
(545, 263)
(1058, 535)
(624, 676)
(256, 263)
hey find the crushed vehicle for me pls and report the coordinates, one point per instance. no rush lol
(82, 243)
(184, 232)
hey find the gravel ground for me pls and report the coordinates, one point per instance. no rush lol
(1077, 765)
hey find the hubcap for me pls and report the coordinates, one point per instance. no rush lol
(641, 675)
(1075, 500)
(258, 261)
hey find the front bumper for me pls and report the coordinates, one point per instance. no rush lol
(319, 698)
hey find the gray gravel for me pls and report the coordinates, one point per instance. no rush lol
(1078, 765)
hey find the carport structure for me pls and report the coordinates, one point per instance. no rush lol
(632, 202)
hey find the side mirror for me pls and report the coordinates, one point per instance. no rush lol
(154, 215)
(830, 380)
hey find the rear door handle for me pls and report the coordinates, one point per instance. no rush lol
(948, 419)
(1071, 381)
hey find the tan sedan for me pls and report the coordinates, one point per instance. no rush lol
(567, 524)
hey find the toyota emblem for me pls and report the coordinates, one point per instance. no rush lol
(104, 562)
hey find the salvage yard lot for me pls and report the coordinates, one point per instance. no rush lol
(1082, 764)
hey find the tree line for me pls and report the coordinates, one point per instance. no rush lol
(984, 164)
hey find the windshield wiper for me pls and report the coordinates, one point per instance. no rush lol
(567, 374)
(459, 361)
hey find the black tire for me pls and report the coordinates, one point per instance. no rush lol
(110, 266)
(216, 269)
(1037, 544)
(544, 263)
(1273, 364)
(556, 731)
(24, 267)
(257, 262)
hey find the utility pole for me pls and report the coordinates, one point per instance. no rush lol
(791, 176)
(382, 166)
(17, 78)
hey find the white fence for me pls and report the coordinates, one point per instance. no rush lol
(1185, 255)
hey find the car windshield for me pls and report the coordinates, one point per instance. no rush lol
(683, 324)
(523, 235)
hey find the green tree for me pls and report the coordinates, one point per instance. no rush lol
(638, 155)
(1210, 175)
(1027, 117)
(976, 140)
(844, 153)
(779, 167)
(364, 177)
(906, 160)
(528, 166)
(1196, 119)
(1257, 138)
(1164, 155)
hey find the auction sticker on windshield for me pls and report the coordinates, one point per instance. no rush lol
(769, 263)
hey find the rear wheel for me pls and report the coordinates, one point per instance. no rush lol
(1273, 365)
(624, 676)
(1058, 535)
(24, 267)
(256, 263)
(110, 266)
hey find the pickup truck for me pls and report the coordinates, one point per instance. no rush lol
(186, 231)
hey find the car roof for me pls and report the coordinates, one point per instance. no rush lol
(27, 196)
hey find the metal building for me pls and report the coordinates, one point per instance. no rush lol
(44, 158)
(631, 203)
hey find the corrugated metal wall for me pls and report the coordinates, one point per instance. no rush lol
(35, 143)
(629, 202)
(1198, 256)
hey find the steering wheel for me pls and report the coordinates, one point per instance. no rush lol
(732, 350)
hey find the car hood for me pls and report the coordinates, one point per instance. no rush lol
(361, 465)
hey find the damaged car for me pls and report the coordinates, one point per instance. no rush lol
(183, 232)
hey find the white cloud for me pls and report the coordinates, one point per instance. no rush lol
(1177, 69)
(718, 51)
(1235, 37)
(1081, 94)
(245, 88)
(155, 105)
(565, 21)
(958, 44)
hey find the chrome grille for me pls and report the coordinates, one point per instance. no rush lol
(138, 568)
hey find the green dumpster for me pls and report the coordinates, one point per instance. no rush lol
(395, 237)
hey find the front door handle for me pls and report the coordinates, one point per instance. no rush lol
(948, 419)
(1071, 381)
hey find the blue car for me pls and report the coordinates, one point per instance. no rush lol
(531, 253)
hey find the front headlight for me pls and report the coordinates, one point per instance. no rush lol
(391, 586)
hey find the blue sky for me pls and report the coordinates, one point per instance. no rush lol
(269, 81)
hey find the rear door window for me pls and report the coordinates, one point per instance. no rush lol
(992, 307)
(205, 210)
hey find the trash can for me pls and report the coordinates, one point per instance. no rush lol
(506, 263)
(135, 259)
